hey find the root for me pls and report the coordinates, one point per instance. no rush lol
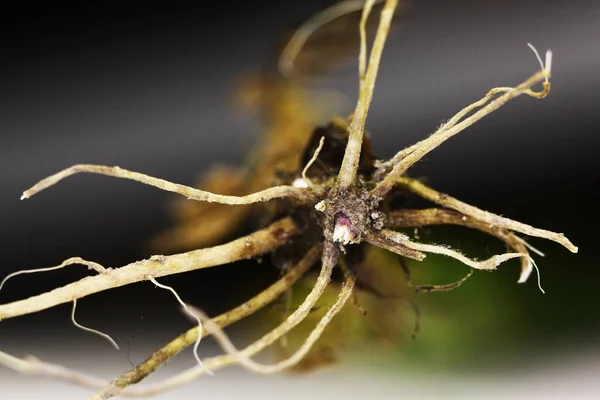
(242, 311)
(429, 288)
(257, 243)
(330, 255)
(347, 192)
(349, 167)
(298, 40)
(487, 265)
(311, 161)
(446, 201)
(73, 260)
(187, 191)
(442, 288)
(408, 157)
(529, 246)
(415, 309)
(263, 369)
(440, 216)
(349, 274)
(329, 260)
(385, 242)
(362, 56)
(32, 366)
(190, 312)
(94, 331)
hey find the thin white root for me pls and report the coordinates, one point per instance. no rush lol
(526, 263)
(298, 40)
(547, 66)
(257, 243)
(94, 331)
(529, 264)
(487, 265)
(349, 167)
(73, 260)
(529, 246)
(190, 312)
(312, 160)
(539, 278)
(187, 191)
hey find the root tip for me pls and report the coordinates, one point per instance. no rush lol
(567, 243)
(549, 60)
(547, 65)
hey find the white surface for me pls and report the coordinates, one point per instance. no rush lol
(569, 379)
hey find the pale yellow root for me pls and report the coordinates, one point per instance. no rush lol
(349, 167)
(187, 191)
(443, 216)
(33, 366)
(278, 233)
(454, 120)
(408, 157)
(225, 360)
(486, 265)
(362, 56)
(175, 346)
(259, 242)
(447, 201)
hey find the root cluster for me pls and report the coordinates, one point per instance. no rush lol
(331, 201)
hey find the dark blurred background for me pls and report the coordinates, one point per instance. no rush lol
(150, 87)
